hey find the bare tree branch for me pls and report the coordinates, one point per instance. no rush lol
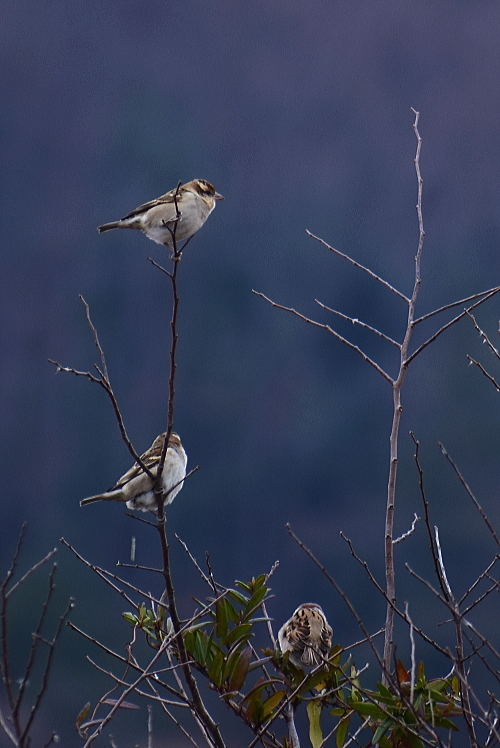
(361, 267)
(331, 331)
(356, 321)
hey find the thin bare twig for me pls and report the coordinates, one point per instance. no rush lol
(342, 594)
(489, 295)
(356, 321)
(413, 672)
(486, 374)
(331, 331)
(409, 532)
(460, 302)
(483, 574)
(471, 495)
(381, 590)
(485, 338)
(361, 267)
(120, 658)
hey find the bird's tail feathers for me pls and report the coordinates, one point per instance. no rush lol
(108, 226)
(310, 657)
(108, 496)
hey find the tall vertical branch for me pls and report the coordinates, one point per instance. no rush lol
(210, 726)
(396, 420)
(396, 382)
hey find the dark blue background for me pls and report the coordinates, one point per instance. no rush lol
(299, 113)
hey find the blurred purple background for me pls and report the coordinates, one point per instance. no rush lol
(299, 113)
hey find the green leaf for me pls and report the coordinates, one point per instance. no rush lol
(244, 586)
(260, 684)
(446, 723)
(253, 711)
(437, 696)
(255, 601)
(335, 653)
(314, 713)
(222, 618)
(238, 597)
(271, 703)
(215, 669)
(384, 691)
(365, 708)
(341, 733)
(131, 618)
(82, 714)
(381, 730)
(240, 669)
(199, 651)
(410, 739)
(232, 613)
(437, 685)
(259, 663)
(239, 632)
(421, 671)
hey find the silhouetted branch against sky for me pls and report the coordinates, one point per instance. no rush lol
(17, 714)
(103, 381)
(396, 382)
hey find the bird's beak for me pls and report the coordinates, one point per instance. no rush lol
(218, 197)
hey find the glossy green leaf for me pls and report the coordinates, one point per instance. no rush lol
(199, 650)
(438, 685)
(244, 586)
(189, 641)
(258, 663)
(131, 618)
(253, 711)
(222, 618)
(260, 684)
(255, 601)
(231, 611)
(314, 714)
(271, 703)
(238, 597)
(320, 680)
(366, 709)
(381, 730)
(335, 653)
(240, 669)
(384, 691)
(237, 633)
(215, 669)
(341, 732)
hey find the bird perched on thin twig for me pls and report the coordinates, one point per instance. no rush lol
(307, 636)
(180, 213)
(135, 488)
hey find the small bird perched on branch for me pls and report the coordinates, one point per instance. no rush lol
(307, 636)
(136, 487)
(182, 212)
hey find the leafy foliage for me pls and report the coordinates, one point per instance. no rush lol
(220, 643)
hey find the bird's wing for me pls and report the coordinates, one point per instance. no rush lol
(150, 458)
(297, 632)
(326, 636)
(167, 199)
